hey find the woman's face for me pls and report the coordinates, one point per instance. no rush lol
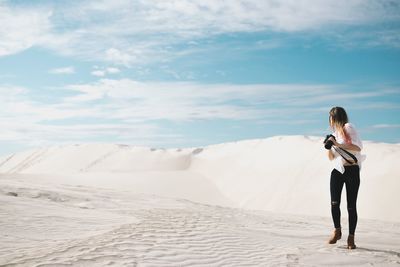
(330, 120)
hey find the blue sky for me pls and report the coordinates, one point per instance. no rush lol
(193, 73)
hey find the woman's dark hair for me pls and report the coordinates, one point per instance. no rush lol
(338, 116)
(337, 119)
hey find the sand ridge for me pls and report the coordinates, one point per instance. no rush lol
(120, 229)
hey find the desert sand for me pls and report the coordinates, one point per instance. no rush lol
(261, 202)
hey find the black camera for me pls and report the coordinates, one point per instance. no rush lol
(328, 143)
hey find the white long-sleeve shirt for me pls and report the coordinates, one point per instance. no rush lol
(355, 140)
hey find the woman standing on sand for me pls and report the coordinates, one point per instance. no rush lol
(347, 171)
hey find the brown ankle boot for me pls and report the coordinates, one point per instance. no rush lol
(350, 242)
(337, 234)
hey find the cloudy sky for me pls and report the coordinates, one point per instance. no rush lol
(183, 73)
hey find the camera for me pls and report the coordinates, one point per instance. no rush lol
(328, 143)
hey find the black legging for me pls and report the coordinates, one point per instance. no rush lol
(351, 177)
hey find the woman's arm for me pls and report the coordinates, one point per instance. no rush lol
(348, 146)
(331, 156)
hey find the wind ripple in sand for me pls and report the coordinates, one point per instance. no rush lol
(165, 238)
(155, 231)
(201, 237)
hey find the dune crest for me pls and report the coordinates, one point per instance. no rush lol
(283, 173)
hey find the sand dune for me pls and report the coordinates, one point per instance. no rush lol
(284, 174)
(250, 203)
(64, 225)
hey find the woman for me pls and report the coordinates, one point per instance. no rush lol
(345, 172)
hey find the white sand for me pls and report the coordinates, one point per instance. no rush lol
(250, 203)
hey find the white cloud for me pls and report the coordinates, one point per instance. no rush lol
(158, 25)
(386, 126)
(98, 73)
(127, 110)
(134, 32)
(112, 70)
(65, 70)
(22, 28)
(101, 72)
(35, 133)
(182, 101)
(119, 57)
(134, 101)
(29, 122)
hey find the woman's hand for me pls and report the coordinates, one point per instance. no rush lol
(334, 142)
(331, 156)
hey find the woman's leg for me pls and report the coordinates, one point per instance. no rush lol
(336, 186)
(352, 180)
